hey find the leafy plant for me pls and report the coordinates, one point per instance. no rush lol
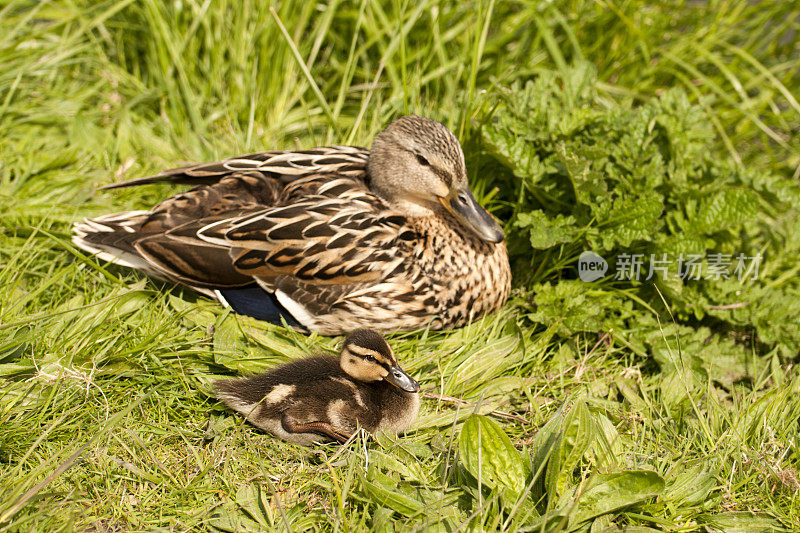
(684, 230)
(487, 454)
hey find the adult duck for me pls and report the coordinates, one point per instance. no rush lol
(329, 239)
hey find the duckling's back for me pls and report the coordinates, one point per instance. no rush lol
(254, 389)
(300, 394)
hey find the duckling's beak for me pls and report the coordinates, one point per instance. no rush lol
(468, 211)
(398, 377)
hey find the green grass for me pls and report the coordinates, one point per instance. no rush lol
(105, 418)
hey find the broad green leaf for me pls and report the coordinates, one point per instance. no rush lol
(385, 494)
(607, 493)
(577, 434)
(573, 305)
(774, 315)
(588, 184)
(677, 387)
(129, 302)
(742, 523)
(607, 447)
(250, 499)
(554, 520)
(488, 454)
(514, 152)
(234, 522)
(690, 487)
(543, 448)
(409, 470)
(195, 313)
(227, 341)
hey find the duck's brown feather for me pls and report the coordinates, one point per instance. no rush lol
(333, 252)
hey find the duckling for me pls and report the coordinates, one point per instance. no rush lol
(328, 240)
(327, 398)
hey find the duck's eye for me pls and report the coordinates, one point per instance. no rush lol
(422, 161)
(370, 359)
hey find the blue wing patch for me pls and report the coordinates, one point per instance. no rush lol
(253, 301)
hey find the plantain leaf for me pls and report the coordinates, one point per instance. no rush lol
(487, 453)
(607, 493)
(543, 446)
(742, 523)
(578, 433)
(690, 487)
(228, 339)
(383, 493)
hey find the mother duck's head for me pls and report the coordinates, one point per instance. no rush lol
(417, 165)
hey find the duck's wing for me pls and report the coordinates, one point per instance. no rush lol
(307, 258)
(346, 240)
(235, 194)
(114, 237)
(284, 165)
(327, 238)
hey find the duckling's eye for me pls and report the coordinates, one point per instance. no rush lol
(422, 161)
(370, 359)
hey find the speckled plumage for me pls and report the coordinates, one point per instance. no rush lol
(342, 237)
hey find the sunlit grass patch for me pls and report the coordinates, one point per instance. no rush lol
(667, 406)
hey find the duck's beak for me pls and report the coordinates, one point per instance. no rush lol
(398, 377)
(466, 209)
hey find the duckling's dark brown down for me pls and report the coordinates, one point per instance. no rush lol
(313, 399)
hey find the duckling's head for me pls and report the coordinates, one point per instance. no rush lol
(366, 356)
(417, 165)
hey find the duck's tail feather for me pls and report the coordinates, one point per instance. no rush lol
(111, 238)
(117, 238)
(114, 238)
